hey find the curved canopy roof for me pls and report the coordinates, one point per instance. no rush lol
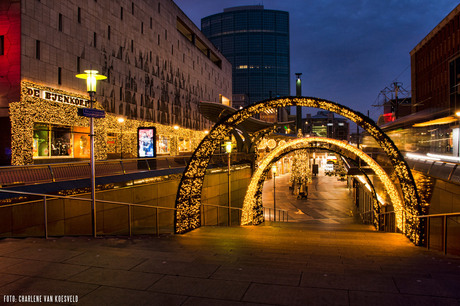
(215, 111)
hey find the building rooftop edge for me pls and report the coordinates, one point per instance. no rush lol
(244, 7)
(436, 29)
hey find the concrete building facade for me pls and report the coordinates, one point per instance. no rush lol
(157, 62)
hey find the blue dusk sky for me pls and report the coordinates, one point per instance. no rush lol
(347, 50)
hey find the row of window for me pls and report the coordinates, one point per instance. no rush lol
(57, 141)
(51, 140)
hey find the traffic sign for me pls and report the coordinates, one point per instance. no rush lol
(91, 112)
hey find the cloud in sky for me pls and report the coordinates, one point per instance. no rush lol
(347, 50)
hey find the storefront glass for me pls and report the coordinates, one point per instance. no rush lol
(41, 140)
(163, 144)
(185, 145)
(81, 143)
(60, 141)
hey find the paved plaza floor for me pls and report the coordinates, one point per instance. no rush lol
(322, 259)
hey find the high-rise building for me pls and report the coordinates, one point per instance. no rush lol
(157, 62)
(325, 124)
(256, 42)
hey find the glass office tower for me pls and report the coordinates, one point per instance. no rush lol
(256, 42)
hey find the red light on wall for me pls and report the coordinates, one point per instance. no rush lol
(389, 117)
(10, 61)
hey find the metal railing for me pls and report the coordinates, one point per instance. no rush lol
(48, 173)
(367, 217)
(30, 223)
(219, 209)
(272, 216)
(387, 221)
(442, 232)
(46, 199)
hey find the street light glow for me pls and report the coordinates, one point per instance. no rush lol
(91, 77)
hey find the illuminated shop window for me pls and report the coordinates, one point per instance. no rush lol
(185, 145)
(41, 140)
(53, 141)
(163, 146)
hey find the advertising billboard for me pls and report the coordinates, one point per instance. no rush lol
(146, 142)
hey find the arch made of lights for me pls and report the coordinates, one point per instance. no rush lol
(317, 146)
(252, 205)
(188, 199)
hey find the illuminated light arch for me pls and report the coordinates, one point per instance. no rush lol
(316, 146)
(252, 203)
(188, 200)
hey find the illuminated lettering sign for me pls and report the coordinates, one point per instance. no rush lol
(56, 97)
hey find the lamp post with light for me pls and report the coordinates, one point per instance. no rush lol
(274, 170)
(121, 120)
(228, 149)
(91, 77)
(176, 128)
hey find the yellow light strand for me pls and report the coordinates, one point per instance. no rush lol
(250, 200)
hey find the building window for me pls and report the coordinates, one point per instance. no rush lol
(79, 15)
(172, 49)
(59, 75)
(121, 13)
(158, 39)
(121, 93)
(132, 45)
(142, 28)
(151, 22)
(60, 22)
(50, 140)
(37, 49)
(159, 5)
(78, 64)
(2, 45)
(95, 39)
(108, 32)
(166, 34)
(132, 8)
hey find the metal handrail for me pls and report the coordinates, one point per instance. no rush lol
(439, 215)
(285, 214)
(73, 198)
(46, 197)
(47, 173)
(444, 230)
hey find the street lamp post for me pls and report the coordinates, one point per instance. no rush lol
(176, 137)
(228, 149)
(91, 77)
(274, 170)
(121, 120)
(298, 88)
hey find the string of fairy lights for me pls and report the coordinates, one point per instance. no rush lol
(192, 180)
(252, 203)
(32, 109)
